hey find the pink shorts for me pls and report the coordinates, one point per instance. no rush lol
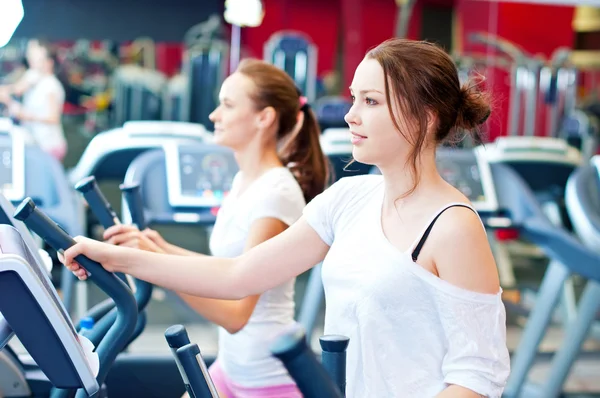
(228, 389)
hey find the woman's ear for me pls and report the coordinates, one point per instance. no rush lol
(267, 117)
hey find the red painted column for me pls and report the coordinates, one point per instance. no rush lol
(352, 39)
(367, 23)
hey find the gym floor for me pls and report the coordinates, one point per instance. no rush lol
(165, 309)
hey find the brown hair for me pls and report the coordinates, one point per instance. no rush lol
(425, 81)
(300, 149)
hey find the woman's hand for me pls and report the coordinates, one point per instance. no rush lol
(130, 236)
(105, 254)
(155, 237)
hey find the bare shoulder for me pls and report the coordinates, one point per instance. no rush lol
(462, 253)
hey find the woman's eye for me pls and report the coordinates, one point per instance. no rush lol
(370, 101)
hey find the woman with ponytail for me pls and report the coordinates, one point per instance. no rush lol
(274, 135)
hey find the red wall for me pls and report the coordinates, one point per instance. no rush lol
(362, 24)
(365, 24)
(537, 29)
(318, 19)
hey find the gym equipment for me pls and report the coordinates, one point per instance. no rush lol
(121, 330)
(583, 204)
(196, 372)
(197, 177)
(134, 205)
(190, 363)
(558, 84)
(109, 153)
(97, 202)
(157, 374)
(567, 256)
(138, 94)
(294, 53)
(205, 67)
(173, 99)
(128, 366)
(42, 260)
(310, 376)
(524, 82)
(333, 357)
(581, 129)
(177, 337)
(182, 186)
(29, 171)
(330, 112)
(142, 290)
(12, 173)
(545, 164)
(32, 308)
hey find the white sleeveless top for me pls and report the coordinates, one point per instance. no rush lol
(245, 356)
(411, 333)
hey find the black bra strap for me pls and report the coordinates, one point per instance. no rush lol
(417, 251)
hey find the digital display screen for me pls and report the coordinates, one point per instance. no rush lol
(333, 112)
(462, 169)
(206, 176)
(6, 167)
(12, 162)
(199, 176)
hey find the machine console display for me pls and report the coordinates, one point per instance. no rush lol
(199, 177)
(12, 163)
(466, 170)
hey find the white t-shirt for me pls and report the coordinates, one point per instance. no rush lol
(35, 101)
(245, 357)
(411, 333)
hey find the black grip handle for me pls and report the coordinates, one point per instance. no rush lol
(177, 336)
(97, 202)
(100, 206)
(133, 197)
(310, 376)
(333, 358)
(120, 332)
(194, 366)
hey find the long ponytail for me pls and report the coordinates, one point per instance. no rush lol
(301, 152)
(300, 149)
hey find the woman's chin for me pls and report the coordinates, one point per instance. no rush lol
(361, 156)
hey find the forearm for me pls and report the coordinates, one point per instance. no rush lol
(179, 251)
(267, 265)
(195, 275)
(454, 391)
(228, 314)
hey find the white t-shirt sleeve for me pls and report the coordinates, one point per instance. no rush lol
(477, 356)
(283, 200)
(324, 211)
